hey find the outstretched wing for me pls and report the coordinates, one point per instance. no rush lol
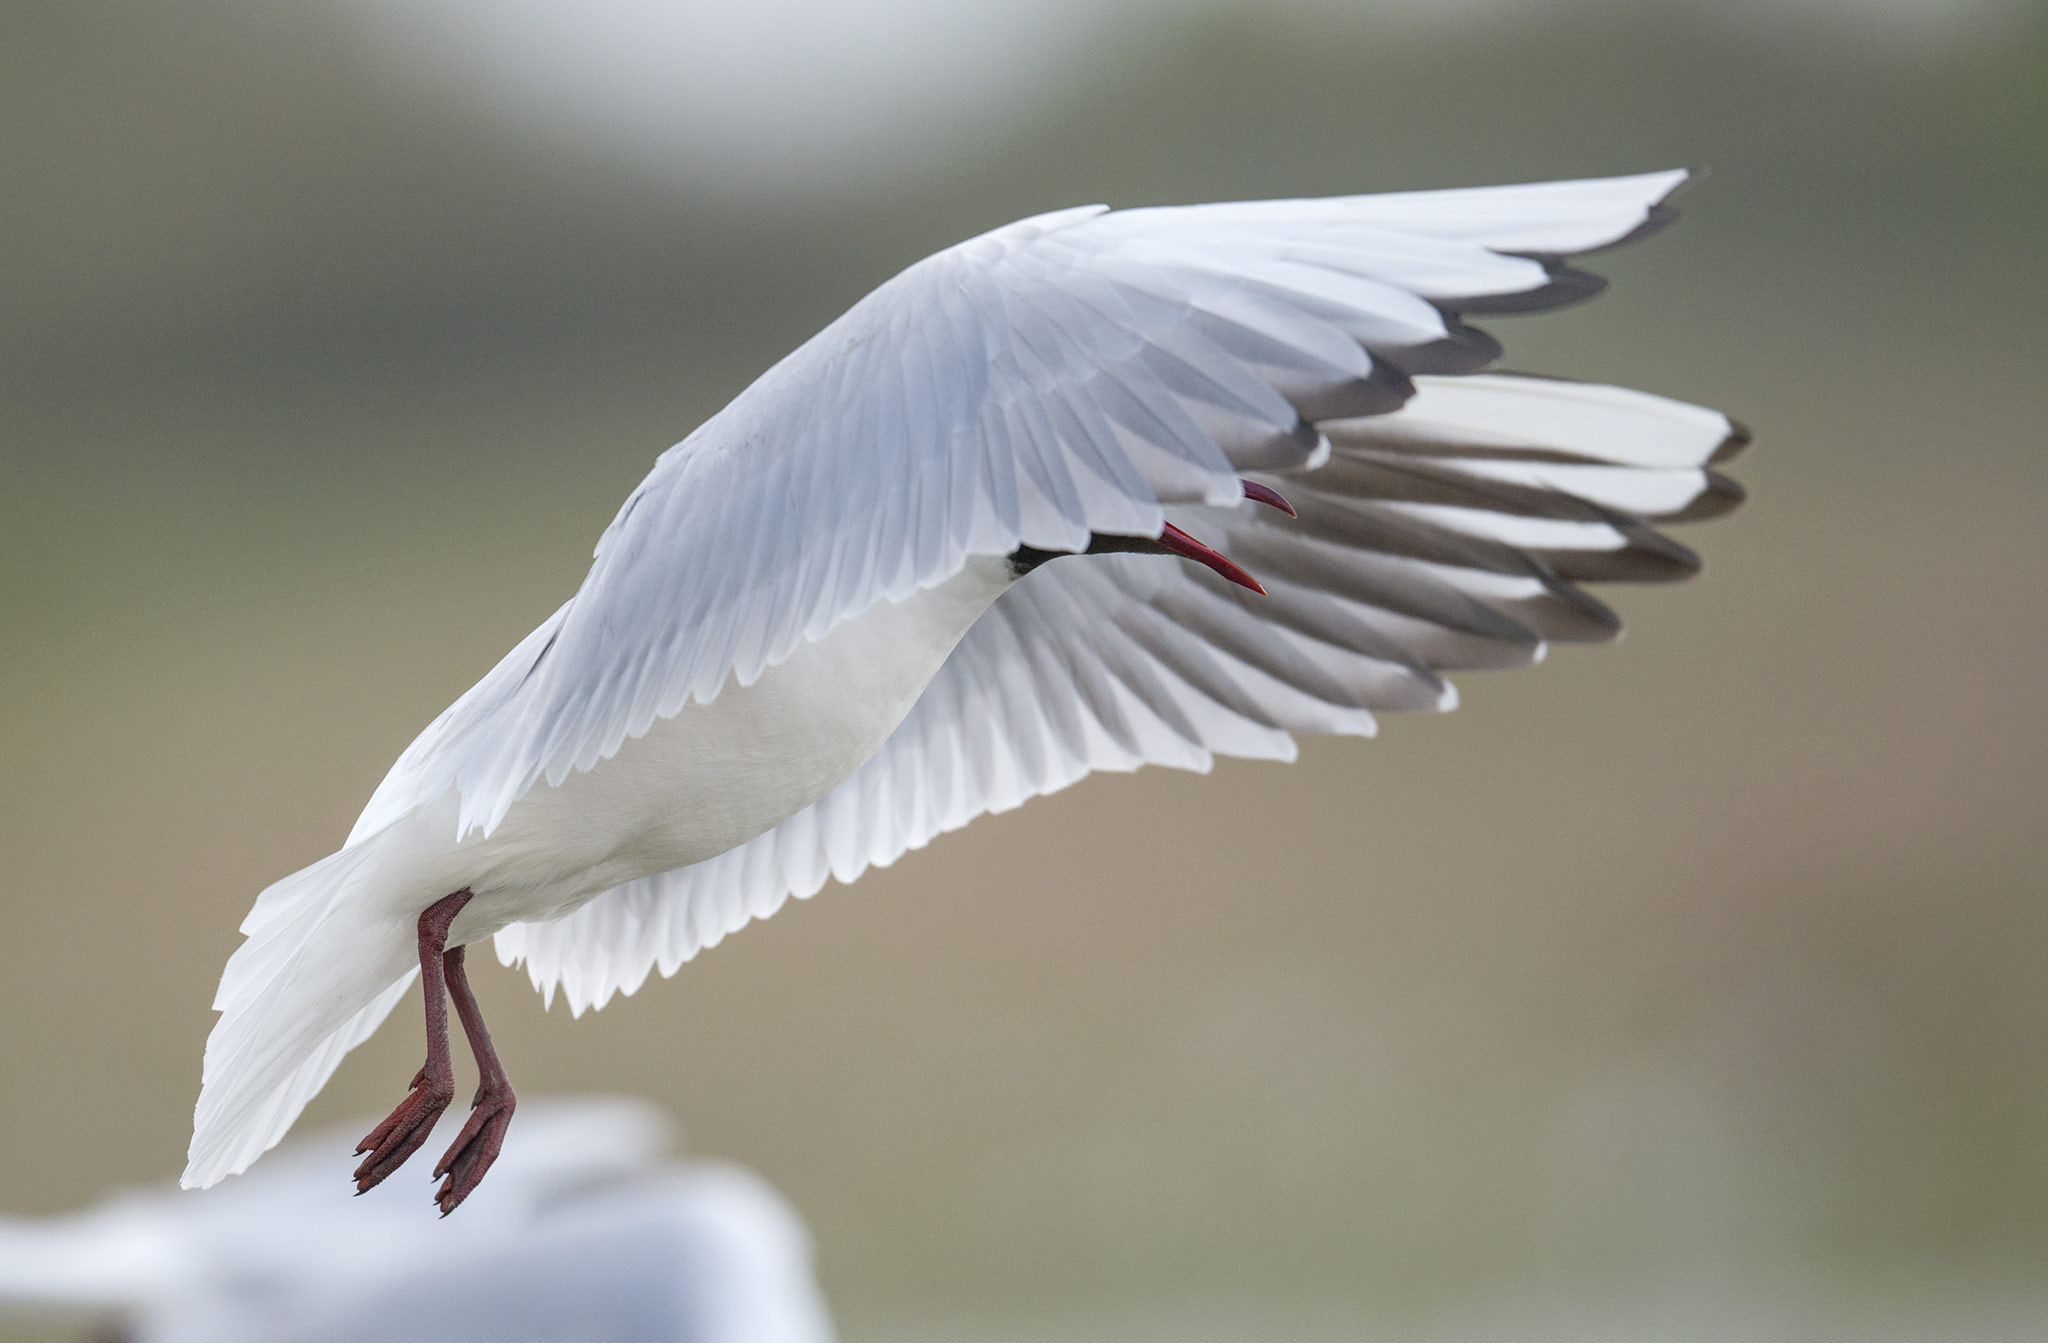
(1078, 372)
(1451, 533)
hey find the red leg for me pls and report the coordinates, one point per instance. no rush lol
(490, 1113)
(433, 1087)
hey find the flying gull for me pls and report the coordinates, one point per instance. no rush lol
(1095, 490)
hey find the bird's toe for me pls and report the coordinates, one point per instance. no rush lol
(475, 1148)
(401, 1134)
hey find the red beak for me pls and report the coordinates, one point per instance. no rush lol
(1180, 543)
(1271, 498)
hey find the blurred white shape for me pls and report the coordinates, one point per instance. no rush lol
(584, 1232)
(773, 91)
(796, 95)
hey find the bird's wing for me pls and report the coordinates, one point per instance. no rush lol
(1451, 533)
(1072, 373)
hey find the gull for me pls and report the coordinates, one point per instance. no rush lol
(588, 1231)
(1095, 490)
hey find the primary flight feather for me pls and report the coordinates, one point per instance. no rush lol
(936, 562)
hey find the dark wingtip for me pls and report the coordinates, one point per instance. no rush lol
(1649, 557)
(1566, 285)
(1738, 440)
(1464, 349)
(1602, 624)
(1723, 495)
(1680, 561)
(1655, 220)
(1384, 388)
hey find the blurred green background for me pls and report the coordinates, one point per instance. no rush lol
(1686, 989)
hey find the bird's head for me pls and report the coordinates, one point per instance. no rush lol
(1170, 541)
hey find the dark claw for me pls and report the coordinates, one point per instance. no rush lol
(401, 1134)
(475, 1148)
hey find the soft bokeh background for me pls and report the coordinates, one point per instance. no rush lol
(1686, 989)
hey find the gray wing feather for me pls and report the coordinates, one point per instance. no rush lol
(1101, 372)
(1073, 373)
(1112, 662)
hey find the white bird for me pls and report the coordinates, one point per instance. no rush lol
(588, 1233)
(835, 620)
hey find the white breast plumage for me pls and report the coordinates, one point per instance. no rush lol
(715, 775)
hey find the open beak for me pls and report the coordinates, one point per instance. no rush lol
(1180, 543)
(1258, 493)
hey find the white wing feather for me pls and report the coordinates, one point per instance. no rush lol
(1068, 374)
(1118, 661)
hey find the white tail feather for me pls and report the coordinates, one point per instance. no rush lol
(323, 965)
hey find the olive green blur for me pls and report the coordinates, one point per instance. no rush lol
(1693, 988)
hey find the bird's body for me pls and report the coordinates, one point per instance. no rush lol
(700, 783)
(830, 624)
